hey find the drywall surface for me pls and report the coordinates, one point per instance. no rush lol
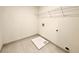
(68, 33)
(60, 25)
(0, 41)
(1, 27)
(18, 23)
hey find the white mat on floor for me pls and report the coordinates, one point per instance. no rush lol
(39, 42)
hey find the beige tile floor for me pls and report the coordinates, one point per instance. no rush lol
(26, 46)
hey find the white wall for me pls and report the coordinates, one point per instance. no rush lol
(1, 28)
(18, 23)
(51, 23)
(67, 23)
(68, 33)
(0, 41)
(21, 22)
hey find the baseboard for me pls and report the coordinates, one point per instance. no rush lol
(54, 43)
(32, 36)
(18, 40)
(1, 48)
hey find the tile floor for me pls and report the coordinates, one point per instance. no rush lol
(27, 46)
